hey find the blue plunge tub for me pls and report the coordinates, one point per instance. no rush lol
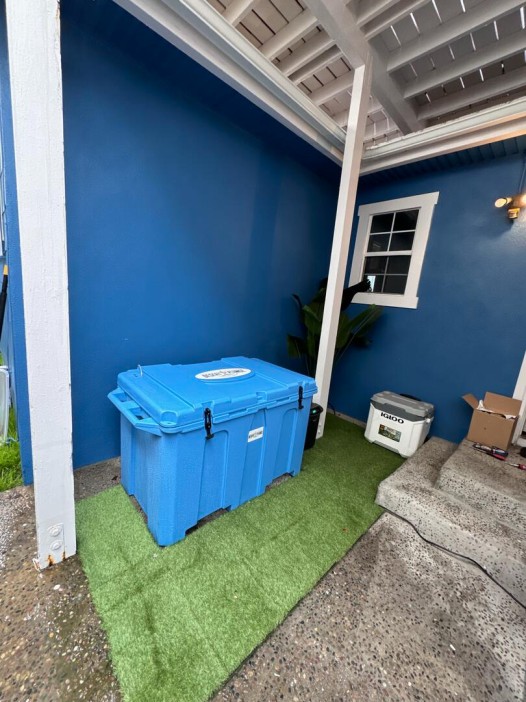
(209, 436)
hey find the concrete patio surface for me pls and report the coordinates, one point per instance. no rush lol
(396, 619)
(467, 502)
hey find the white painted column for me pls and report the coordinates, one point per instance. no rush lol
(342, 232)
(33, 30)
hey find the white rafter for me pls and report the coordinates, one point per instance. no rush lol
(339, 22)
(455, 28)
(238, 10)
(498, 51)
(290, 33)
(316, 64)
(309, 51)
(330, 90)
(476, 93)
(401, 9)
(373, 10)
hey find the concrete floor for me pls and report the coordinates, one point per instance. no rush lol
(396, 619)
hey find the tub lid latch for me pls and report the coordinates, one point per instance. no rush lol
(208, 423)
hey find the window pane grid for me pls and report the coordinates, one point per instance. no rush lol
(389, 248)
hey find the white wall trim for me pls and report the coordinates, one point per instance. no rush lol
(33, 30)
(426, 204)
(520, 394)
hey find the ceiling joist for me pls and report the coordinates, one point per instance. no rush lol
(498, 51)
(332, 89)
(238, 10)
(372, 10)
(474, 94)
(340, 24)
(316, 64)
(483, 13)
(307, 52)
(401, 9)
(290, 33)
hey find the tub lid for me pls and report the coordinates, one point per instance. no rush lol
(177, 395)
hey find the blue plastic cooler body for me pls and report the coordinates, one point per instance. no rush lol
(202, 437)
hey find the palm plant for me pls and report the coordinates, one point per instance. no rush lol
(351, 330)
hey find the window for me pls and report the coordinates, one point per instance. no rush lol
(390, 247)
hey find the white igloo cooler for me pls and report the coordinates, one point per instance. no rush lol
(399, 423)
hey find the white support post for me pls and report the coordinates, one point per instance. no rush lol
(33, 30)
(342, 231)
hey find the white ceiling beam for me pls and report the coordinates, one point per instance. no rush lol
(455, 28)
(238, 10)
(35, 74)
(316, 64)
(290, 33)
(483, 127)
(498, 51)
(371, 10)
(309, 51)
(220, 48)
(341, 118)
(401, 9)
(474, 94)
(342, 234)
(330, 90)
(339, 22)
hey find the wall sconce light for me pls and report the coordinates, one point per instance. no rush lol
(513, 204)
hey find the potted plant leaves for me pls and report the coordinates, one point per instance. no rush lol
(351, 331)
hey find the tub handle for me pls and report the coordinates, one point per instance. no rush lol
(133, 413)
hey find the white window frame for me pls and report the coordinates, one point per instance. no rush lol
(426, 204)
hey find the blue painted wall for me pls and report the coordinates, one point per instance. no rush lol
(191, 215)
(13, 343)
(469, 331)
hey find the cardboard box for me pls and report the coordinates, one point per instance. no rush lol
(494, 419)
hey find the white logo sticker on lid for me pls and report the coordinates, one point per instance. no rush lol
(222, 373)
(255, 434)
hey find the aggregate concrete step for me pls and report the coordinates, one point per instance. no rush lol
(411, 492)
(486, 484)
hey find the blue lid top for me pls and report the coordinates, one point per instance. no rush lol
(176, 396)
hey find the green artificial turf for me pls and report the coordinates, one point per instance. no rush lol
(10, 466)
(181, 619)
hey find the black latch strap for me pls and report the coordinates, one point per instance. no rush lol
(208, 423)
